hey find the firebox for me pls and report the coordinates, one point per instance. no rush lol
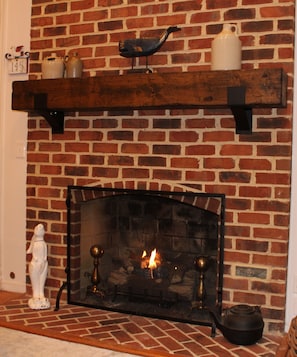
(143, 252)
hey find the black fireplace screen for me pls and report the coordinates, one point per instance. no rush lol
(150, 253)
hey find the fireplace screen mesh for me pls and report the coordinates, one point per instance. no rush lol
(154, 253)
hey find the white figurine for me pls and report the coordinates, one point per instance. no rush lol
(38, 269)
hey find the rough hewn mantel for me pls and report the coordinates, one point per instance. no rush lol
(238, 90)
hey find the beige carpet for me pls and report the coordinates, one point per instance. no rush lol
(15, 343)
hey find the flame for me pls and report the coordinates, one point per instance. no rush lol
(152, 262)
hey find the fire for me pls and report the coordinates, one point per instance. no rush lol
(144, 254)
(151, 262)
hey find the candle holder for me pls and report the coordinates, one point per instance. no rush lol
(96, 252)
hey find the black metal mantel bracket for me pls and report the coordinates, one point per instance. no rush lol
(54, 118)
(242, 113)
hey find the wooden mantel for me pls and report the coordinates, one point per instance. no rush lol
(239, 90)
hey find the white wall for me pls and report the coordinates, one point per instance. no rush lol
(291, 305)
(14, 31)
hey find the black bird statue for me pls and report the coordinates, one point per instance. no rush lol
(141, 47)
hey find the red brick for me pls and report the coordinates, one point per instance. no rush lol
(236, 257)
(255, 191)
(257, 26)
(92, 160)
(167, 149)
(254, 164)
(204, 17)
(250, 298)
(200, 176)
(120, 135)
(135, 173)
(238, 283)
(68, 41)
(151, 161)
(64, 158)
(77, 147)
(125, 11)
(283, 164)
(55, 31)
(272, 178)
(281, 220)
(218, 136)
(239, 14)
(151, 136)
(200, 150)
(276, 11)
(120, 160)
(68, 18)
(50, 170)
(95, 15)
(237, 231)
(135, 123)
(82, 5)
(271, 233)
(55, 8)
(81, 28)
(270, 260)
(36, 157)
(184, 162)
(76, 171)
(279, 247)
(273, 39)
(236, 177)
(42, 21)
(104, 172)
(183, 136)
(271, 206)
(218, 163)
(252, 245)
(219, 4)
(258, 218)
(199, 123)
(166, 175)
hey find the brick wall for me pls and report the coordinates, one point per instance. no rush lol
(171, 148)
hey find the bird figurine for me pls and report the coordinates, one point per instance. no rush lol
(140, 47)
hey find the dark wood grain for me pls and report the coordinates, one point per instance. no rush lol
(263, 88)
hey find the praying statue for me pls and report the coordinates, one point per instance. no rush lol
(38, 269)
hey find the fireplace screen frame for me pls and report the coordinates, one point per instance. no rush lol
(78, 195)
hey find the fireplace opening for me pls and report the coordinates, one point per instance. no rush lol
(149, 253)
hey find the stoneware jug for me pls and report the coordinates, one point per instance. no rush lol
(74, 66)
(52, 67)
(226, 49)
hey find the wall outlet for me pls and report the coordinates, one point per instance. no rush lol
(20, 150)
(18, 65)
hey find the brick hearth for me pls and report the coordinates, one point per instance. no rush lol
(127, 333)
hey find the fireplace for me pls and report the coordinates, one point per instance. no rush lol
(150, 253)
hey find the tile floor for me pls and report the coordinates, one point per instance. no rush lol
(137, 335)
